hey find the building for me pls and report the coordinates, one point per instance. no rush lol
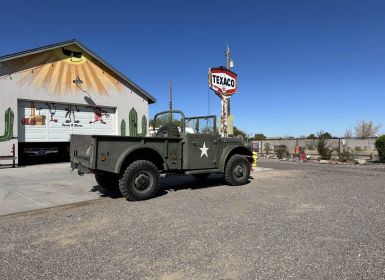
(54, 91)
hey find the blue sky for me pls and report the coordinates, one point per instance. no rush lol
(303, 66)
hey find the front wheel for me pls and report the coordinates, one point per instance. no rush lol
(139, 181)
(237, 170)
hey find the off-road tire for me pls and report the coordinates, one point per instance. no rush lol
(201, 176)
(108, 181)
(140, 173)
(168, 130)
(237, 170)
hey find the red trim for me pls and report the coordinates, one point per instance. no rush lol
(224, 71)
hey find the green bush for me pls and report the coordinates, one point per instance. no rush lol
(267, 148)
(324, 151)
(282, 152)
(380, 146)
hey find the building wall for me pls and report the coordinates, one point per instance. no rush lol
(49, 76)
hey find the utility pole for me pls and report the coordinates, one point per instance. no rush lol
(170, 116)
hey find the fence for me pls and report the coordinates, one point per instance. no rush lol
(362, 147)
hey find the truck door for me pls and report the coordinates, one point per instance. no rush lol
(200, 151)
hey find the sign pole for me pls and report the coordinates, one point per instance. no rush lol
(225, 100)
(224, 82)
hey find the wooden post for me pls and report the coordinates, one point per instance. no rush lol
(14, 156)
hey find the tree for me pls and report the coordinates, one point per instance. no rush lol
(312, 136)
(259, 136)
(348, 133)
(324, 135)
(267, 148)
(324, 150)
(238, 132)
(366, 129)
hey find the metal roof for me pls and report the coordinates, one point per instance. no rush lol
(141, 91)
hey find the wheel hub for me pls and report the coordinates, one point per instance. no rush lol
(238, 171)
(142, 181)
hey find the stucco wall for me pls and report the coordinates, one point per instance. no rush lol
(362, 147)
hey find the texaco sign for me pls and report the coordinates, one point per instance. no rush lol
(223, 81)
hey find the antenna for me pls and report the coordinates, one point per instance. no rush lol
(170, 95)
(228, 66)
(228, 59)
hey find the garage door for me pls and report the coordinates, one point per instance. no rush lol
(55, 122)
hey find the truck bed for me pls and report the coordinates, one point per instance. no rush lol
(88, 151)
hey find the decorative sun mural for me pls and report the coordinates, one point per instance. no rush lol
(56, 71)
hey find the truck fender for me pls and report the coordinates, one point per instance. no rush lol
(132, 149)
(231, 150)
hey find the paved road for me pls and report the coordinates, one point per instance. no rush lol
(296, 221)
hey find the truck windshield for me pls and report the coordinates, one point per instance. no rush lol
(201, 125)
(167, 117)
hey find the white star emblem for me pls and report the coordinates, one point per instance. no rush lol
(204, 150)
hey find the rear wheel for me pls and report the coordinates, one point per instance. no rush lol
(237, 170)
(139, 181)
(108, 181)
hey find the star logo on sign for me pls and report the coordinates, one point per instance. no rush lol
(204, 150)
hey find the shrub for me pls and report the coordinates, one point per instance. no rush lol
(311, 145)
(324, 151)
(282, 152)
(346, 155)
(380, 146)
(267, 148)
(358, 149)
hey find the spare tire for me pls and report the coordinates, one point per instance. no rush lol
(168, 130)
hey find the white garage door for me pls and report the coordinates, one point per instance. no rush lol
(55, 122)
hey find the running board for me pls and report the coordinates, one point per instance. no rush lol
(200, 171)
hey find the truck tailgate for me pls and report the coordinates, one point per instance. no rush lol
(82, 149)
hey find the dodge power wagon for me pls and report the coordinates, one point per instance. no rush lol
(133, 164)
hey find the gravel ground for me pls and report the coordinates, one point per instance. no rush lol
(300, 221)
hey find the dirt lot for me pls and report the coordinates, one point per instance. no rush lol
(300, 221)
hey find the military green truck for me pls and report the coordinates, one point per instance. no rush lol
(181, 145)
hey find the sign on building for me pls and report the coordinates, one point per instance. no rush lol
(223, 81)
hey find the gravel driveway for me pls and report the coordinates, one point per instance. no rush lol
(300, 221)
